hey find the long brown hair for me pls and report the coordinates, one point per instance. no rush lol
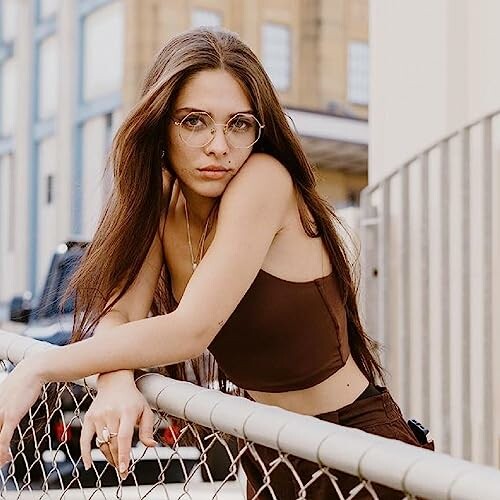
(138, 199)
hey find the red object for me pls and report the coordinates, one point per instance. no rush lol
(170, 434)
(62, 433)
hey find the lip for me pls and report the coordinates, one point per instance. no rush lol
(213, 168)
(213, 174)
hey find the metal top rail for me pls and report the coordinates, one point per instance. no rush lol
(376, 185)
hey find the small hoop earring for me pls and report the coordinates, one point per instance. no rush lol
(162, 154)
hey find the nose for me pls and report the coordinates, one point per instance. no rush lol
(218, 145)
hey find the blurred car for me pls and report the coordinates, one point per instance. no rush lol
(45, 317)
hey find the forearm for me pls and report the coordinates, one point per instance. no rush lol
(144, 343)
(106, 327)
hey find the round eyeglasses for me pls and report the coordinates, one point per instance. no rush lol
(198, 128)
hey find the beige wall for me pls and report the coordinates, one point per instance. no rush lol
(434, 68)
(342, 21)
(337, 186)
(320, 31)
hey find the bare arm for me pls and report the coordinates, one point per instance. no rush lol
(136, 302)
(106, 327)
(252, 211)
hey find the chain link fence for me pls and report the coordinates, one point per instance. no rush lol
(204, 438)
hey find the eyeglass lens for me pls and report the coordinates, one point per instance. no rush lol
(197, 129)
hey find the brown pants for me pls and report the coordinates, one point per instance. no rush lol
(377, 414)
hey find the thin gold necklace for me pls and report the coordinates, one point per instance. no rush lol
(201, 244)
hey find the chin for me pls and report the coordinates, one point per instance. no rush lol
(212, 189)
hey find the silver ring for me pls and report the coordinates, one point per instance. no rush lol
(106, 437)
(99, 442)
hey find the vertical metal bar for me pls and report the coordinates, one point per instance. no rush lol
(363, 202)
(445, 294)
(405, 297)
(465, 305)
(369, 283)
(487, 197)
(383, 327)
(425, 289)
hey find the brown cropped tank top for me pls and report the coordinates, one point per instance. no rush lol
(284, 335)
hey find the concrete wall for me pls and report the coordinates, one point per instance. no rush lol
(434, 68)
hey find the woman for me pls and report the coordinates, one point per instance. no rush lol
(214, 237)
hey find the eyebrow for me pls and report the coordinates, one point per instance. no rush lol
(208, 112)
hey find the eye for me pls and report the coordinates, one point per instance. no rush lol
(240, 123)
(195, 120)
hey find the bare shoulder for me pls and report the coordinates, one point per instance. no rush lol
(261, 178)
(261, 167)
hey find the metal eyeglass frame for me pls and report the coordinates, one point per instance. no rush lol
(224, 125)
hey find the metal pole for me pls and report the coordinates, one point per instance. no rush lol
(384, 241)
(425, 288)
(465, 305)
(445, 294)
(405, 296)
(487, 290)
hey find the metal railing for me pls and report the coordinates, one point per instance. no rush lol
(430, 245)
(190, 471)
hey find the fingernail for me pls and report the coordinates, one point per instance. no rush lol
(123, 467)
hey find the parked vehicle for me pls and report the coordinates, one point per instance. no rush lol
(47, 319)
(45, 316)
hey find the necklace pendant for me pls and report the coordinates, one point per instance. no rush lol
(194, 265)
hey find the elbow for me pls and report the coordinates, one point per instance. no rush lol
(196, 337)
(197, 350)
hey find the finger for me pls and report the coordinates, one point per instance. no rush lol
(86, 436)
(110, 450)
(146, 427)
(105, 449)
(8, 427)
(125, 435)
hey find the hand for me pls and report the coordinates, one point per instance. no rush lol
(18, 393)
(119, 406)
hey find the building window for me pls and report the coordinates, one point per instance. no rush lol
(358, 73)
(103, 52)
(204, 17)
(49, 81)
(276, 54)
(8, 19)
(94, 135)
